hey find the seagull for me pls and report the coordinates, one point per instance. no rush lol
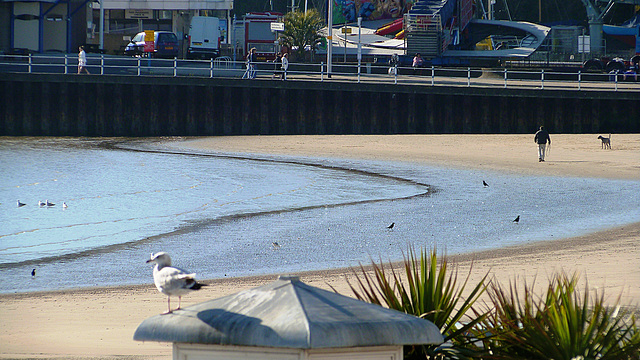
(517, 220)
(64, 205)
(391, 226)
(33, 272)
(485, 183)
(275, 245)
(40, 203)
(48, 203)
(172, 281)
(21, 204)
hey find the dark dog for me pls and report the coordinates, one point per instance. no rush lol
(606, 142)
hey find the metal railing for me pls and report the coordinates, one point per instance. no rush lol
(224, 67)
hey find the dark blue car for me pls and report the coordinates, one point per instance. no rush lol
(165, 45)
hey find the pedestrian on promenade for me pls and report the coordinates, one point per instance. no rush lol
(277, 63)
(82, 60)
(251, 70)
(285, 65)
(541, 138)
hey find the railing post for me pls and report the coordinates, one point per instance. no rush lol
(138, 66)
(616, 75)
(542, 79)
(175, 67)
(505, 78)
(211, 69)
(66, 63)
(101, 64)
(579, 79)
(468, 77)
(395, 74)
(359, 66)
(322, 71)
(433, 76)
(29, 63)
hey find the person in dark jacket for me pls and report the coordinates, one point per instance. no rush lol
(541, 138)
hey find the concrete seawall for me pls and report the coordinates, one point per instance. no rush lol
(94, 105)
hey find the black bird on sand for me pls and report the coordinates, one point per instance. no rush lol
(485, 183)
(33, 272)
(517, 220)
(391, 226)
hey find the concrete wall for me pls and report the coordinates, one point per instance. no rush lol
(93, 105)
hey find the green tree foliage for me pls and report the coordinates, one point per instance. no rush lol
(302, 29)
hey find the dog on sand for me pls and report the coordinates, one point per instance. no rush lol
(606, 142)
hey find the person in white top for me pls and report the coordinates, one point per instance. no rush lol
(82, 61)
(285, 65)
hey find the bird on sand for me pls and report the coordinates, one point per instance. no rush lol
(33, 272)
(64, 205)
(391, 226)
(517, 219)
(275, 245)
(21, 204)
(172, 281)
(485, 183)
(40, 203)
(46, 202)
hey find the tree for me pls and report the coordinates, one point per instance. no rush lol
(302, 30)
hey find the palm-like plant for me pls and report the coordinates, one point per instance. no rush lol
(561, 325)
(302, 29)
(430, 293)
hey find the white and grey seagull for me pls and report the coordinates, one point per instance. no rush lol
(21, 204)
(172, 281)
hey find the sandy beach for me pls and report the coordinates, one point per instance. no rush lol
(98, 323)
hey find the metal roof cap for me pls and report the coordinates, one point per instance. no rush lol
(288, 313)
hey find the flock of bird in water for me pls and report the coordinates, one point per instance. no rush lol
(45, 203)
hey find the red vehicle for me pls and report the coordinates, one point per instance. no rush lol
(258, 34)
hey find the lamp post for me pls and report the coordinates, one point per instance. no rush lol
(359, 45)
(329, 37)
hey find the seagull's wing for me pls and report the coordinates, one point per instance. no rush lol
(173, 281)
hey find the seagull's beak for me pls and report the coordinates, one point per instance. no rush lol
(148, 261)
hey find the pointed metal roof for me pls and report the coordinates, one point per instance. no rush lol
(288, 313)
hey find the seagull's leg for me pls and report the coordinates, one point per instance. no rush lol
(168, 304)
(179, 302)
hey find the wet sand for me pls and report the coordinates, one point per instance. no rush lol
(100, 322)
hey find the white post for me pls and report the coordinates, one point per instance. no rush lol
(505, 78)
(468, 77)
(305, 6)
(542, 79)
(433, 76)
(211, 69)
(359, 45)
(66, 63)
(101, 26)
(579, 78)
(101, 64)
(175, 67)
(329, 37)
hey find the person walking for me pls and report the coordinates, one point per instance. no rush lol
(277, 64)
(285, 65)
(82, 60)
(541, 138)
(251, 70)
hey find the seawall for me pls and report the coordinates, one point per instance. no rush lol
(94, 105)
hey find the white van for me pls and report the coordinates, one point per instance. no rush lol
(204, 38)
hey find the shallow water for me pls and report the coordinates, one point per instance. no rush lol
(218, 215)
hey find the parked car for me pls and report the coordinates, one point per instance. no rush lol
(165, 45)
